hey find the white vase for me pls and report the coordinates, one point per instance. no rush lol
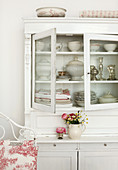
(75, 130)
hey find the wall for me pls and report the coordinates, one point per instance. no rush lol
(12, 13)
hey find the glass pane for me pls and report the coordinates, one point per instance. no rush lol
(104, 72)
(69, 71)
(43, 71)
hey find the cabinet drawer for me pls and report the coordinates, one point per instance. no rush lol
(98, 146)
(56, 147)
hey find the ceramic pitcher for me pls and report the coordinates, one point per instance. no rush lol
(75, 130)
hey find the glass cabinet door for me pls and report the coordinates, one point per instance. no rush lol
(101, 71)
(43, 70)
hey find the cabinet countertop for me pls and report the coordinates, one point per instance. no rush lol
(83, 139)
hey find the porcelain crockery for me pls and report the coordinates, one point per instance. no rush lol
(76, 130)
(74, 46)
(110, 47)
(50, 12)
(58, 47)
(94, 47)
(108, 98)
(76, 69)
(43, 70)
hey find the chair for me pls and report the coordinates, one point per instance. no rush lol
(20, 154)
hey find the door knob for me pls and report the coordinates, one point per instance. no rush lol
(88, 73)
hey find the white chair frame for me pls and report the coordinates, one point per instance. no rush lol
(21, 131)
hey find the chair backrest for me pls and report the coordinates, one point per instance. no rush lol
(25, 133)
(21, 153)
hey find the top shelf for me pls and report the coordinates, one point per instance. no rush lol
(68, 19)
(76, 53)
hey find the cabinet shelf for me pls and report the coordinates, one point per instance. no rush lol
(79, 82)
(60, 53)
(66, 109)
(70, 53)
(104, 53)
(81, 53)
(105, 82)
(61, 82)
(69, 82)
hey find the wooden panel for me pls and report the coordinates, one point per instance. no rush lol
(98, 146)
(98, 161)
(57, 161)
(56, 147)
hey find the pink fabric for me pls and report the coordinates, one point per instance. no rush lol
(98, 14)
(22, 157)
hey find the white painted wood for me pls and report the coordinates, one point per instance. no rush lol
(72, 19)
(58, 160)
(27, 73)
(87, 56)
(53, 70)
(54, 146)
(61, 82)
(104, 146)
(98, 160)
(93, 154)
(61, 53)
(39, 36)
(80, 25)
(101, 122)
(104, 53)
(106, 82)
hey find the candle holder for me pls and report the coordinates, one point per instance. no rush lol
(101, 69)
(94, 72)
(111, 69)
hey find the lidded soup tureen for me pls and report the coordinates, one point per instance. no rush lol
(76, 69)
(43, 69)
(108, 98)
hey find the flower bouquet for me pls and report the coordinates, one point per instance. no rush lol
(76, 122)
(75, 118)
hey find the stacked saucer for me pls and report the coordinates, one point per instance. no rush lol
(79, 98)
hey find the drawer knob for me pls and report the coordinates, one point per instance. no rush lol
(54, 144)
(105, 144)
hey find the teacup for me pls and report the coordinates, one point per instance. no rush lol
(58, 46)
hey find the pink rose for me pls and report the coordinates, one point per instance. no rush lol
(64, 130)
(64, 116)
(60, 130)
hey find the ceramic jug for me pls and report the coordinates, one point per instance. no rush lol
(75, 131)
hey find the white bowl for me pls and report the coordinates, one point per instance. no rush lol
(110, 47)
(108, 98)
(94, 47)
(39, 46)
(51, 12)
(74, 46)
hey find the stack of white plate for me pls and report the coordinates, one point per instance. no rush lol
(79, 98)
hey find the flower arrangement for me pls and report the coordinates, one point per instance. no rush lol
(60, 131)
(75, 118)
